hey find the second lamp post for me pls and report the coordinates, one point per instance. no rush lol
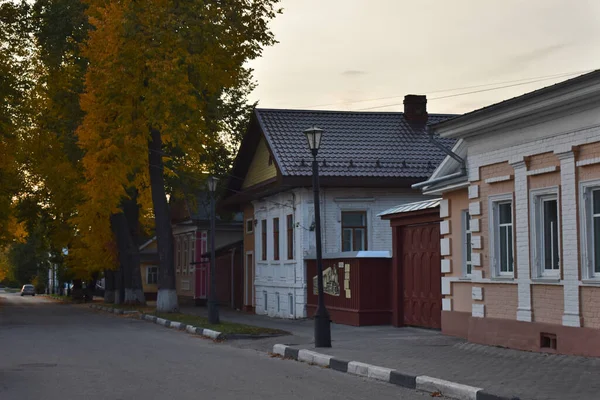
(322, 321)
(213, 306)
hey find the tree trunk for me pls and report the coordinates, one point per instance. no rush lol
(132, 215)
(166, 300)
(109, 286)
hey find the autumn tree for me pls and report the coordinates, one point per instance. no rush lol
(160, 80)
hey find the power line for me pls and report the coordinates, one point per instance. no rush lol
(465, 93)
(532, 79)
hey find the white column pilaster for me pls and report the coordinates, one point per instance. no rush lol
(521, 219)
(570, 248)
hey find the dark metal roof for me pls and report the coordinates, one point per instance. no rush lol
(354, 144)
(417, 206)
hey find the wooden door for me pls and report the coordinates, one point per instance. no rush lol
(421, 275)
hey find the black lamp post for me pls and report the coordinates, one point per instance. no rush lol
(213, 306)
(322, 322)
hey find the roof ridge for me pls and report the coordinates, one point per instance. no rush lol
(298, 110)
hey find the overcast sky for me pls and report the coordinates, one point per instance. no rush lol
(333, 53)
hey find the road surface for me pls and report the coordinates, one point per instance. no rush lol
(54, 351)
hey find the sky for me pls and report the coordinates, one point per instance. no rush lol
(335, 54)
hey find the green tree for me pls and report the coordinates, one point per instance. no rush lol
(166, 79)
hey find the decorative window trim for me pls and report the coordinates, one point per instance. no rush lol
(276, 238)
(148, 275)
(290, 236)
(178, 254)
(588, 161)
(493, 244)
(587, 259)
(535, 229)
(497, 179)
(541, 171)
(263, 240)
(466, 235)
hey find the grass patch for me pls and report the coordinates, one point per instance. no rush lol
(128, 307)
(223, 327)
(59, 297)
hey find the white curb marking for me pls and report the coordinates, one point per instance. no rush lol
(211, 334)
(358, 368)
(161, 321)
(379, 373)
(447, 388)
(175, 325)
(190, 329)
(279, 349)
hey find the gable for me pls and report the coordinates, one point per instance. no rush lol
(260, 170)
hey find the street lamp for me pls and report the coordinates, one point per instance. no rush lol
(322, 322)
(213, 307)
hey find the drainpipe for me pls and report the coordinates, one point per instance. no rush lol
(461, 161)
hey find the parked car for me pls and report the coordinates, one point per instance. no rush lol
(28, 289)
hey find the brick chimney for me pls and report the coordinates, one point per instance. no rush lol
(415, 108)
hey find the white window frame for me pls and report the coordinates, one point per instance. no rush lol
(185, 255)
(465, 238)
(536, 229)
(494, 247)
(251, 230)
(586, 242)
(191, 264)
(178, 254)
(148, 275)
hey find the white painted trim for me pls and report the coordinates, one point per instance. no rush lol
(444, 208)
(493, 246)
(478, 310)
(542, 170)
(446, 266)
(446, 304)
(497, 179)
(445, 249)
(477, 274)
(446, 285)
(588, 161)
(477, 293)
(476, 242)
(353, 199)
(473, 191)
(445, 227)
(476, 259)
(441, 190)
(584, 209)
(475, 224)
(535, 223)
(475, 208)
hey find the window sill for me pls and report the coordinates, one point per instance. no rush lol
(465, 278)
(591, 282)
(502, 278)
(555, 281)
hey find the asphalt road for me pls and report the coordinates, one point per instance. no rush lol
(54, 351)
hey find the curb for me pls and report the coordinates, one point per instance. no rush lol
(192, 330)
(423, 383)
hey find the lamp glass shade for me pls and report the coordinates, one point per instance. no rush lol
(212, 183)
(313, 135)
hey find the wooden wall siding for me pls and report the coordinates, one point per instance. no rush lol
(260, 170)
(548, 303)
(370, 291)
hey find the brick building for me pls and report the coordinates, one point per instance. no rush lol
(520, 230)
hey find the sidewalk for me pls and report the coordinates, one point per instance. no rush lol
(424, 352)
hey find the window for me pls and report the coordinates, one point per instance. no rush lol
(467, 246)
(289, 221)
(275, 238)
(501, 235)
(178, 255)
(192, 265)
(152, 275)
(249, 226)
(591, 228)
(354, 230)
(263, 243)
(545, 232)
(185, 256)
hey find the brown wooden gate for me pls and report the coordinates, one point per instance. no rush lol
(421, 275)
